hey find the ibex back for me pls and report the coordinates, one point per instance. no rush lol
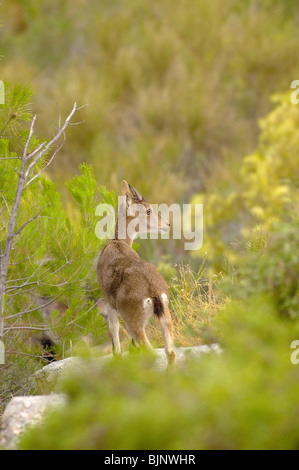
(133, 289)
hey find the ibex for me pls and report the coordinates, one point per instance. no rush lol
(133, 289)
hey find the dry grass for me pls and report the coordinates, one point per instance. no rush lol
(194, 303)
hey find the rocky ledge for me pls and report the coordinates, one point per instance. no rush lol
(23, 412)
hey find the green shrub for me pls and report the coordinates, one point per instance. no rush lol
(270, 266)
(247, 398)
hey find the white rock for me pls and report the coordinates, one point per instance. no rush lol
(47, 377)
(24, 412)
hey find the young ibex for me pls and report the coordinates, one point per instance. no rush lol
(133, 289)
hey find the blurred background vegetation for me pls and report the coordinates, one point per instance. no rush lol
(174, 94)
(189, 103)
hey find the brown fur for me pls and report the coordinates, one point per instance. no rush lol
(133, 289)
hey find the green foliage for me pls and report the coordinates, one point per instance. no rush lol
(54, 255)
(271, 267)
(17, 375)
(109, 197)
(266, 191)
(247, 398)
(15, 110)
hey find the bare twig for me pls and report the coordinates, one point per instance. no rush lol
(19, 314)
(46, 148)
(25, 157)
(46, 166)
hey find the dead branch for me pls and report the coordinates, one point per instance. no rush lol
(29, 160)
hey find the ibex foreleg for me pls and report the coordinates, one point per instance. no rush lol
(114, 330)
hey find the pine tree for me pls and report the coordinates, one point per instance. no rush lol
(47, 256)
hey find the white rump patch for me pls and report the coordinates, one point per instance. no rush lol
(164, 298)
(147, 302)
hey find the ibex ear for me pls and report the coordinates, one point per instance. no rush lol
(126, 192)
(132, 195)
(136, 195)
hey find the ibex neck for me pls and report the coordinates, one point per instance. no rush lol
(127, 239)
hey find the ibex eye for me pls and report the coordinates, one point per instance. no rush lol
(148, 211)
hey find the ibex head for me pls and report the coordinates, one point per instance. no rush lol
(138, 211)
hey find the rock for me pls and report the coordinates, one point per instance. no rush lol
(183, 354)
(24, 412)
(48, 376)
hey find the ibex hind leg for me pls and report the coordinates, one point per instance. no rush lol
(166, 327)
(139, 338)
(114, 330)
(135, 323)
